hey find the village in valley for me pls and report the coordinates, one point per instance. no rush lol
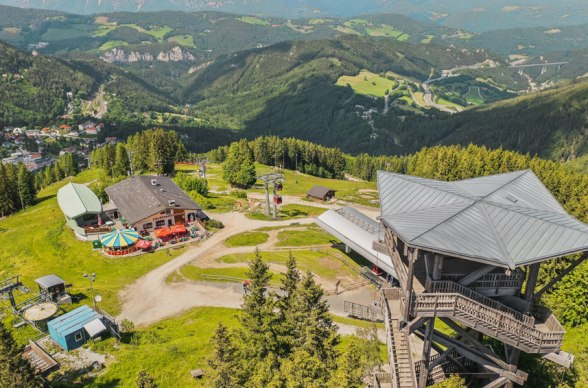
(40, 147)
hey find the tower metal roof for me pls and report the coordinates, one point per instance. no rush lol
(508, 220)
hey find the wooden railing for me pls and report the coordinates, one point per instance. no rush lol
(369, 313)
(397, 341)
(97, 229)
(491, 280)
(452, 287)
(488, 320)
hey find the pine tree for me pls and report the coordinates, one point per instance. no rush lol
(57, 172)
(291, 279)
(6, 204)
(304, 370)
(310, 312)
(286, 325)
(223, 362)
(349, 372)
(121, 165)
(239, 168)
(257, 315)
(26, 186)
(15, 371)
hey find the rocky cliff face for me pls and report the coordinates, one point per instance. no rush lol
(176, 54)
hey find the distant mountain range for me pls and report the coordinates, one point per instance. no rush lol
(472, 15)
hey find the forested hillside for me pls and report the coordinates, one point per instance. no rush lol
(290, 88)
(35, 88)
(552, 124)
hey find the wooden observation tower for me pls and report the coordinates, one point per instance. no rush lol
(467, 254)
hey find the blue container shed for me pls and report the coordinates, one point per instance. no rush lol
(75, 328)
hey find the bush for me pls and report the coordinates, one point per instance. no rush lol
(127, 326)
(213, 224)
(240, 194)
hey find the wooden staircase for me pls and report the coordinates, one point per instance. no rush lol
(399, 352)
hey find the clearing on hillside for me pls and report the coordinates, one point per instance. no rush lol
(367, 83)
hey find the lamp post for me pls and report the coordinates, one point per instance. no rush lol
(91, 278)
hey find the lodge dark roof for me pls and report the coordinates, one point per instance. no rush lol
(319, 191)
(137, 198)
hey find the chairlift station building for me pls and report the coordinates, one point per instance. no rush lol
(462, 252)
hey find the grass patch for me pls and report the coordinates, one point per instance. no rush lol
(315, 21)
(299, 238)
(36, 242)
(419, 98)
(184, 40)
(367, 83)
(387, 31)
(356, 322)
(112, 44)
(346, 30)
(254, 20)
(158, 32)
(104, 28)
(427, 39)
(294, 211)
(247, 239)
(300, 28)
(448, 103)
(287, 212)
(192, 272)
(321, 262)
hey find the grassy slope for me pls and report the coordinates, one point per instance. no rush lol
(172, 348)
(36, 242)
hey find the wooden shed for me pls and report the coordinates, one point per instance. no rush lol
(320, 192)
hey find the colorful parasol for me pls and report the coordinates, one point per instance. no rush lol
(120, 238)
(162, 232)
(144, 244)
(178, 229)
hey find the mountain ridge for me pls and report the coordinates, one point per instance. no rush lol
(475, 15)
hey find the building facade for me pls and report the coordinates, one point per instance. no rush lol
(145, 203)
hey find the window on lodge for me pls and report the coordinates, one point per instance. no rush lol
(148, 225)
(89, 217)
(78, 337)
(160, 223)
